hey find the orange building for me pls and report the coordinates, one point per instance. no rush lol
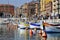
(43, 6)
(5, 8)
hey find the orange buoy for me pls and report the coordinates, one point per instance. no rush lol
(44, 34)
(31, 32)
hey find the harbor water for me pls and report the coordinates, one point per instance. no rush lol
(22, 34)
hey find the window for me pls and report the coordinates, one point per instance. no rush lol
(57, 0)
(54, 5)
(32, 11)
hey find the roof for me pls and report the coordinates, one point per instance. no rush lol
(6, 5)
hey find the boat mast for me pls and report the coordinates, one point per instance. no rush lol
(8, 13)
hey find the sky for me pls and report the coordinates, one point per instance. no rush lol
(14, 2)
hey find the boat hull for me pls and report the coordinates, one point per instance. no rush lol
(52, 29)
(23, 25)
(34, 25)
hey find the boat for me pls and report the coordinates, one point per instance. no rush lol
(23, 24)
(51, 27)
(35, 25)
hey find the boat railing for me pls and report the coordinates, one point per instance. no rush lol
(52, 20)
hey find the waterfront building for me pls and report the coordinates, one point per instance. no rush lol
(42, 7)
(24, 10)
(57, 7)
(54, 7)
(33, 9)
(7, 9)
(50, 6)
(17, 12)
(30, 9)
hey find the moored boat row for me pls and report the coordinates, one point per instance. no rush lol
(49, 27)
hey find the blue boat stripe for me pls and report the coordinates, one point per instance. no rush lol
(34, 24)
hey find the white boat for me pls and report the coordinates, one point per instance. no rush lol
(23, 25)
(51, 27)
(34, 25)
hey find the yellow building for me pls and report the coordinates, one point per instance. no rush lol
(47, 1)
(42, 6)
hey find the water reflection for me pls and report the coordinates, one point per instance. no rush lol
(26, 34)
(53, 36)
(21, 34)
(50, 36)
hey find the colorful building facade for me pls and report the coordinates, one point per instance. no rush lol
(7, 8)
